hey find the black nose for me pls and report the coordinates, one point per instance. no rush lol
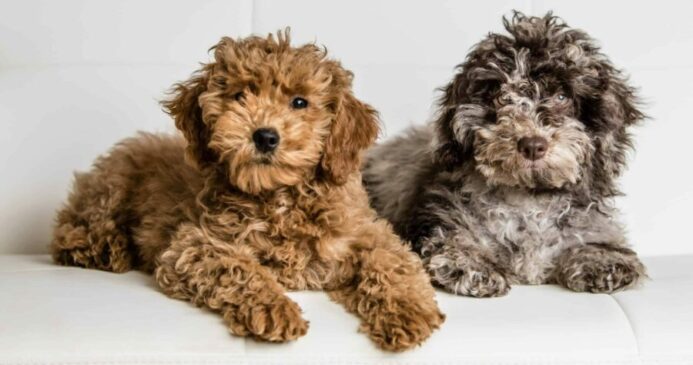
(533, 148)
(266, 140)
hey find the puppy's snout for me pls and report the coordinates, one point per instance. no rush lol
(266, 140)
(533, 148)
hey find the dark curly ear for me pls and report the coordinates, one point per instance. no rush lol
(185, 109)
(619, 104)
(354, 128)
(616, 108)
(454, 138)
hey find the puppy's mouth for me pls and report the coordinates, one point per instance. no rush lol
(534, 166)
(263, 159)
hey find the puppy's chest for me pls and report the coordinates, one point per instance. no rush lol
(282, 229)
(523, 224)
(287, 236)
(282, 222)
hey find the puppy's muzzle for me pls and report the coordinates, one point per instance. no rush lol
(266, 140)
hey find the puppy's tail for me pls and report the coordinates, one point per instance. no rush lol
(87, 234)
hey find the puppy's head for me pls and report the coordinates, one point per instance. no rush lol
(540, 108)
(271, 115)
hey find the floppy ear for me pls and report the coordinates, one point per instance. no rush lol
(619, 105)
(615, 109)
(185, 109)
(354, 128)
(454, 137)
(619, 108)
(446, 151)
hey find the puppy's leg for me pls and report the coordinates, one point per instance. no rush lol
(598, 268)
(88, 231)
(461, 267)
(229, 280)
(390, 291)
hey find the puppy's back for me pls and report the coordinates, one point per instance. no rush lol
(393, 172)
(123, 211)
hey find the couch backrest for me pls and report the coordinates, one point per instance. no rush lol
(78, 75)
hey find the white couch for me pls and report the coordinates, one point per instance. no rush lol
(78, 75)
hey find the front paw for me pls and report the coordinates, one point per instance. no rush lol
(404, 326)
(467, 277)
(276, 321)
(600, 271)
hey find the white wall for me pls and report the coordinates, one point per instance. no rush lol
(78, 75)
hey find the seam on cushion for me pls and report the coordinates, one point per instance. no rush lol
(30, 263)
(272, 360)
(630, 323)
(33, 270)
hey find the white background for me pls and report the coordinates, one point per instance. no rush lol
(78, 75)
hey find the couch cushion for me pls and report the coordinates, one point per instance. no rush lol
(52, 314)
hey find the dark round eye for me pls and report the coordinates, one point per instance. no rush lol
(299, 103)
(561, 97)
(505, 99)
(239, 96)
(220, 82)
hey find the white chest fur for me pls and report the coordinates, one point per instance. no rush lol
(526, 231)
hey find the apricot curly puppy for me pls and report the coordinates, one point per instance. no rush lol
(270, 199)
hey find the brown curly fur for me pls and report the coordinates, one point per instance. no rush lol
(232, 228)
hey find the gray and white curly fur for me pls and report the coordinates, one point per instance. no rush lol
(515, 179)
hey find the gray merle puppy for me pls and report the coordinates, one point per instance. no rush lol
(514, 181)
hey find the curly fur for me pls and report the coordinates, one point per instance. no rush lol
(482, 215)
(232, 228)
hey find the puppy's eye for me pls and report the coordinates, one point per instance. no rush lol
(505, 99)
(239, 96)
(219, 82)
(561, 97)
(299, 103)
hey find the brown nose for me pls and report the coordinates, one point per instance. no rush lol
(533, 148)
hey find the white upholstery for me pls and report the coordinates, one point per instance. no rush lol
(58, 315)
(78, 75)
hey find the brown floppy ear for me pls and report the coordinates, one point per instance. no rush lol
(185, 109)
(354, 128)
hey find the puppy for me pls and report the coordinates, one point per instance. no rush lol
(262, 195)
(513, 183)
